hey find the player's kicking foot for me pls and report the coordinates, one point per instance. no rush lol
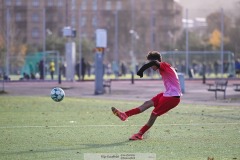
(120, 114)
(136, 136)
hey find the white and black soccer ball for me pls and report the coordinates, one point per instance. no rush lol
(57, 94)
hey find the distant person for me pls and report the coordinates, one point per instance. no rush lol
(124, 69)
(225, 66)
(109, 69)
(41, 69)
(215, 65)
(162, 102)
(63, 69)
(25, 76)
(6, 77)
(77, 70)
(83, 68)
(52, 69)
(31, 68)
(115, 69)
(33, 76)
(88, 68)
(237, 67)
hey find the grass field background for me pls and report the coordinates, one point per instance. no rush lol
(37, 128)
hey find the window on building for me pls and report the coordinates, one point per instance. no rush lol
(35, 3)
(50, 3)
(108, 5)
(8, 2)
(35, 33)
(142, 4)
(73, 21)
(18, 17)
(73, 5)
(94, 21)
(119, 5)
(83, 21)
(84, 5)
(18, 2)
(95, 5)
(84, 35)
(35, 17)
(60, 3)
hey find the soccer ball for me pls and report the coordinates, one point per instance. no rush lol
(57, 94)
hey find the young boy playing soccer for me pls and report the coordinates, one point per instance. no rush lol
(162, 102)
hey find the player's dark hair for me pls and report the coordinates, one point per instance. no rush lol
(154, 55)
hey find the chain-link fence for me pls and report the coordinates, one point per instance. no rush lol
(207, 63)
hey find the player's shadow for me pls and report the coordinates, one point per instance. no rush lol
(92, 145)
(81, 146)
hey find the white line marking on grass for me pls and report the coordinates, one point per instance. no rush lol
(211, 108)
(114, 125)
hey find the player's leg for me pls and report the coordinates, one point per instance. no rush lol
(145, 128)
(119, 114)
(163, 105)
(144, 106)
(140, 109)
(124, 115)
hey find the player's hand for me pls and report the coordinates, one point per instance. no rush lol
(140, 74)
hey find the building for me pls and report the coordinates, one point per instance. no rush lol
(156, 22)
(26, 18)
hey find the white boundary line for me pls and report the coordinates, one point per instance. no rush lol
(113, 125)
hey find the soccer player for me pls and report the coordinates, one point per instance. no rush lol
(162, 102)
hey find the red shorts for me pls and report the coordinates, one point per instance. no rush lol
(164, 104)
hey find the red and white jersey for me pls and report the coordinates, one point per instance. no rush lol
(170, 80)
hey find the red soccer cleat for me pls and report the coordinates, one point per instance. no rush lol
(120, 114)
(136, 136)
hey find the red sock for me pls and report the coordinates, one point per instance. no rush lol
(133, 112)
(144, 129)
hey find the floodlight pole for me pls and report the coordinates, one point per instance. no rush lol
(80, 43)
(44, 42)
(7, 40)
(132, 37)
(222, 39)
(152, 30)
(152, 26)
(116, 38)
(187, 47)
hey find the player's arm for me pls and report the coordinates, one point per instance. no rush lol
(146, 66)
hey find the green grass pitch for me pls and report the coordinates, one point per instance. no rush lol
(37, 128)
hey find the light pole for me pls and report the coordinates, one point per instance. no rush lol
(133, 59)
(187, 47)
(134, 36)
(116, 56)
(152, 26)
(80, 43)
(222, 40)
(8, 43)
(44, 42)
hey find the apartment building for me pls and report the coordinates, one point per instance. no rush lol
(28, 18)
(157, 22)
